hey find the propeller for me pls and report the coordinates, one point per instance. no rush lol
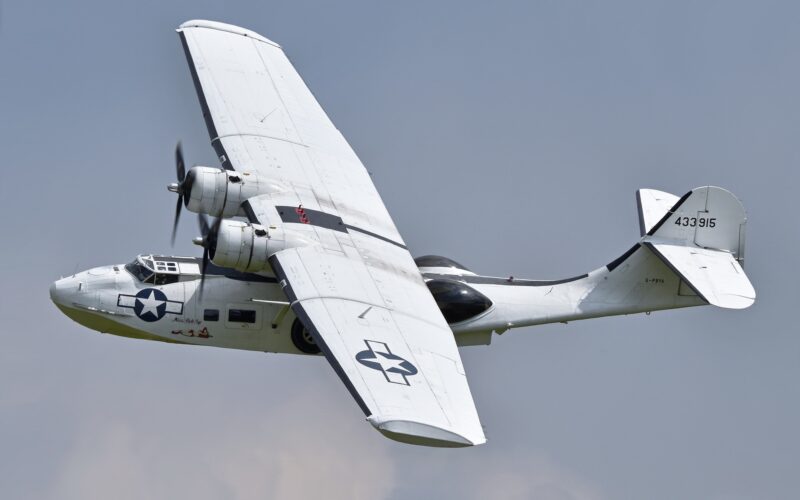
(208, 241)
(182, 187)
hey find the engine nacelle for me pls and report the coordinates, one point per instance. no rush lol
(246, 247)
(221, 193)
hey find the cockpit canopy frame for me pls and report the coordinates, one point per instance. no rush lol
(162, 270)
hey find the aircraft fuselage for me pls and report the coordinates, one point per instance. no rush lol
(158, 298)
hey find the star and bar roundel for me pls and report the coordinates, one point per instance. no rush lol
(150, 304)
(379, 357)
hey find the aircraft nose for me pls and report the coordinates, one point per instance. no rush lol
(61, 290)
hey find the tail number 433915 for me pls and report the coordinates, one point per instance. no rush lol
(696, 221)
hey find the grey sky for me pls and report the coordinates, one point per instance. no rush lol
(511, 138)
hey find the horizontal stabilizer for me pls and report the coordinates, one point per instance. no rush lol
(714, 275)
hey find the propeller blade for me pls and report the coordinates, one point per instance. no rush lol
(180, 170)
(180, 165)
(209, 243)
(177, 217)
(203, 268)
(203, 222)
(212, 235)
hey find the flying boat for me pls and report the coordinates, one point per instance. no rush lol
(300, 256)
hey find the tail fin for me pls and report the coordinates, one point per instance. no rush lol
(653, 204)
(701, 238)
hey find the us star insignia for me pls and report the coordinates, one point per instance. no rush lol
(379, 357)
(150, 304)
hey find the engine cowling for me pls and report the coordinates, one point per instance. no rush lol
(221, 193)
(246, 247)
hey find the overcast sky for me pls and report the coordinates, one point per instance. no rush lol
(508, 136)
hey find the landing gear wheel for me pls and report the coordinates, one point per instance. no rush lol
(302, 339)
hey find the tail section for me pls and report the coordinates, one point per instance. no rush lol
(690, 254)
(701, 238)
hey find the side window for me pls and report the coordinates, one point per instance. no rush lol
(241, 316)
(211, 315)
(166, 266)
(166, 279)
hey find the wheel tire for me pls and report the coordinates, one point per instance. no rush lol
(302, 339)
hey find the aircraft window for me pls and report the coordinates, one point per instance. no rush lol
(166, 266)
(457, 301)
(139, 272)
(241, 316)
(166, 279)
(211, 315)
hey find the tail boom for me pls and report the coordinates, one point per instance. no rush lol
(691, 253)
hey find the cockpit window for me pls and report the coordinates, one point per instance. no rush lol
(457, 301)
(159, 272)
(139, 271)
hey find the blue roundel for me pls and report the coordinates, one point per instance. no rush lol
(381, 360)
(151, 304)
(379, 357)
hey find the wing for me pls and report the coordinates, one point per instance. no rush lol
(387, 343)
(354, 284)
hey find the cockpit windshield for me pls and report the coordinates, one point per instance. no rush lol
(141, 269)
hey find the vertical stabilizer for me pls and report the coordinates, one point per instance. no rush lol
(653, 205)
(701, 238)
(707, 217)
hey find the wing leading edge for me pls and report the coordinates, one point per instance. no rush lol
(354, 284)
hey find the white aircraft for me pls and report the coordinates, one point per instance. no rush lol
(303, 258)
